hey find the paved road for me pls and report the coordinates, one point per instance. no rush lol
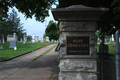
(22, 68)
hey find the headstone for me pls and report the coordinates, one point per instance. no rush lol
(47, 39)
(15, 36)
(112, 39)
(36, 38)
(24, 39)
(119, 39)
(20, 39)
(52, 40)
(77, 25)
(1, 47)
(0, 41)
(12, 44)
(42, 40)
(10, 38)
(3, 40)
(33, 40)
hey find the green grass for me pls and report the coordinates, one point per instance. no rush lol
(111, 47)
(8, 53)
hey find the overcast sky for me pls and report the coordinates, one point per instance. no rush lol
(32, 26)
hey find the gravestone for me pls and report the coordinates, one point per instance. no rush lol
(24, 39)
(112, 39)
(13, 40)
(103, 48)
(1, 47)
(47, 39)
(12, 37)
(21, 40)
(3, 40)
(0, 41)
(12, 44)
(78, 24)
(33, 40)
(36, 38)
(52, 40)
(119, 39)
(15, 36)
(42, 40)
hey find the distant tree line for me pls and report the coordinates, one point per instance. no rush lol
(52, 31)
(11, 24)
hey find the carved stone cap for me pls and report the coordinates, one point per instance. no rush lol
(78, 12)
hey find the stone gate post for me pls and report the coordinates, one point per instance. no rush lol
(77, 24)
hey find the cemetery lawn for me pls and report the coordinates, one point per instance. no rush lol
(111, 48)
(7, 53)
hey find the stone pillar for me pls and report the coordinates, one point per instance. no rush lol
(24, 39)
(33, 40)
(14, 36)
(78, 24)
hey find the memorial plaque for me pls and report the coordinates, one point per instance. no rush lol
(77, 45)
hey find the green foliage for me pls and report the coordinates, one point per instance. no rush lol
(52, 30)
(11, 24)
(29, 38)
(8, 53)
(38, 8)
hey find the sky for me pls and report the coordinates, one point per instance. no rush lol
(32, 26)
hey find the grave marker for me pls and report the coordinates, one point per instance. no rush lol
(47, 39)
(12, 44)
(12, 39)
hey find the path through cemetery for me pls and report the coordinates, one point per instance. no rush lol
(22, 68)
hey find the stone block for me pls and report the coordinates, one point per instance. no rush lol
(12, 44)
(77, 76)
(78, 65)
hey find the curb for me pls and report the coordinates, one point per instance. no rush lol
(23, 54)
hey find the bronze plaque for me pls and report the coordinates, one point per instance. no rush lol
(78, 45)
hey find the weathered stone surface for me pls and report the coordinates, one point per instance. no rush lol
(78, 26)
(12, 44)
(79, 65)
(77, 76)
(81, 21)
(79, 14)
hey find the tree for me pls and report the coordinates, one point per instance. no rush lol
(44, 35)
(14, 25)
(11, 24)
(2, 24)
(29, 38)
(52, 30)
(38, 8)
